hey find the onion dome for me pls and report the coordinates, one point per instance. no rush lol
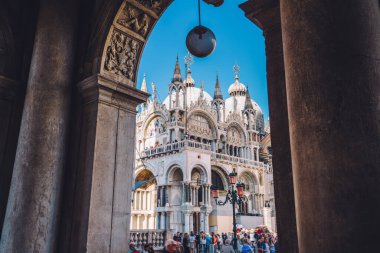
(237, 88)
(189, 81)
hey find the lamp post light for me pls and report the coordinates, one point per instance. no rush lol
(234, 196)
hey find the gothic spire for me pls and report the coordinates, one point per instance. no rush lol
(217, 92)
(248, 101)
(177, 72)
(143, 85)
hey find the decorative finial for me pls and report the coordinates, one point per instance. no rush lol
(236, 69)
(177, 57)
(189, 60)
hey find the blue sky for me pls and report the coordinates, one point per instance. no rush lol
(239, 41)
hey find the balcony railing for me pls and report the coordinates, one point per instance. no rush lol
(176, 124)
(143, 236)
(178, 146)
(175, 146)
(237, 160)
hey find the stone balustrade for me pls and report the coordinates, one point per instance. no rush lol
(176, 124)
(236, 160)
(174, 147)
(141, 237)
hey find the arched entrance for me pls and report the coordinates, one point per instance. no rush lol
(144, 201)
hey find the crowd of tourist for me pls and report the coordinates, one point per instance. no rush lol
(259, 241)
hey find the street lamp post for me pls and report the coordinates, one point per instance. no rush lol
(234, 196)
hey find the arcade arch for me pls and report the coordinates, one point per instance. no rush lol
(109, 100)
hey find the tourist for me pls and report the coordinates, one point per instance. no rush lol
(132, 248)
(186, 243)
(208, 243)
(203, 242)
(177, 237)
(266, 241)
(246, 248)
(227, 247)
(172, 246)
(148, 248)
(220, 241)
(272, 243)
(238, 244)
(197, 243)
(213, 243)
(261, 247)
(192, 242)
(224, 237)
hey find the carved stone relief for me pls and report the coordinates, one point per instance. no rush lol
(122, 55)
(155, 5)
(135, 20)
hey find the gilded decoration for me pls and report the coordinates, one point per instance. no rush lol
(122, 55)
(135, 20)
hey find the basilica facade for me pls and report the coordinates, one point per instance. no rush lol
(191, 141)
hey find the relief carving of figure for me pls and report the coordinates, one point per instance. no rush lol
(155, 5)
(121, 55)
(138, 23)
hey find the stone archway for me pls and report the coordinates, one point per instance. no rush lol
(332, 73)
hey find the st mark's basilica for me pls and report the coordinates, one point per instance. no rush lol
(191, 141)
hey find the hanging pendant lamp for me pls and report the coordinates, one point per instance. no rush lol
(200, 41)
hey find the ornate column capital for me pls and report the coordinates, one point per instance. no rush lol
(98, 88)
(264, 13)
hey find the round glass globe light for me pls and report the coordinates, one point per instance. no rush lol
(201, 41)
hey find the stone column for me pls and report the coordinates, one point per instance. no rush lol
(101, 209)
(332, 67)
(163, 222)
(202, 221)
(132, 219)
(207, 227)
(144, 200)
(191, 225)
(266, 15)
(34, 198)
(148, 200)
(138, 221)
(159, 196)
(151, 221)
(196, 195)
(208, 194)
(158, 218)
(187, 222)
(167, 220)
(145, 222)
(164, 194)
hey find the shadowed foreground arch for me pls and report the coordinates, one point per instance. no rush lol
(73, 170)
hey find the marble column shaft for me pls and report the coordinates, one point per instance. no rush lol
(332, 68)
(266, 15)
(34, 199)
(101, 216)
